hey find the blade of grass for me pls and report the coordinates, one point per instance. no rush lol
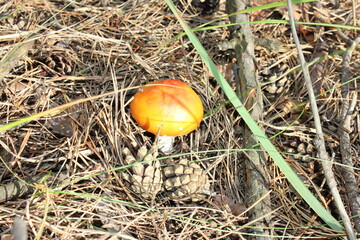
(267, 21)
(247, 10)
(258, 8)
(273, 21)
(263, 139)
(56, 110)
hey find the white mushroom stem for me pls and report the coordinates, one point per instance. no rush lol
(165, 144)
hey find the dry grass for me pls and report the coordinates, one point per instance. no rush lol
(94, 47)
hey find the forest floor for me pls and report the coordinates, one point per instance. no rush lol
(72, 158)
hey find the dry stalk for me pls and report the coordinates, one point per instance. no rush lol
(319, 139)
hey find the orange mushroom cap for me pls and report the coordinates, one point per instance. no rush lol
(169, 107)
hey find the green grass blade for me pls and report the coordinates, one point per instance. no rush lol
(55, 110)
(258, 8)
(273, 21)
(260, 135)
(267, 21)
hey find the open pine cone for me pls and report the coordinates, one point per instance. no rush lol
(143, 178)
(57, 62)
(184, 180)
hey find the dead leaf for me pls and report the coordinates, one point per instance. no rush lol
(62, 126)
(287, 108)
(236, 208)
(13, 57)
(15, 88)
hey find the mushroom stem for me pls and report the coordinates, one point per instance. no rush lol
(165, 144)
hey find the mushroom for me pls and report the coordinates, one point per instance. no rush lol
(167, 108)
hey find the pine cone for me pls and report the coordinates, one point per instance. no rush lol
(207, 7)
(52, 62)
(144, 177)
(275, 88)
(299, 147)
(184, 180)
(59, 62)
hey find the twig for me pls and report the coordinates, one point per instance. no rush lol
(346, 115)
(319, 139)
(255, 161)
(19, 229)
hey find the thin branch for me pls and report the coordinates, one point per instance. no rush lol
(346, 115)
(319, 139)
(255, 161)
